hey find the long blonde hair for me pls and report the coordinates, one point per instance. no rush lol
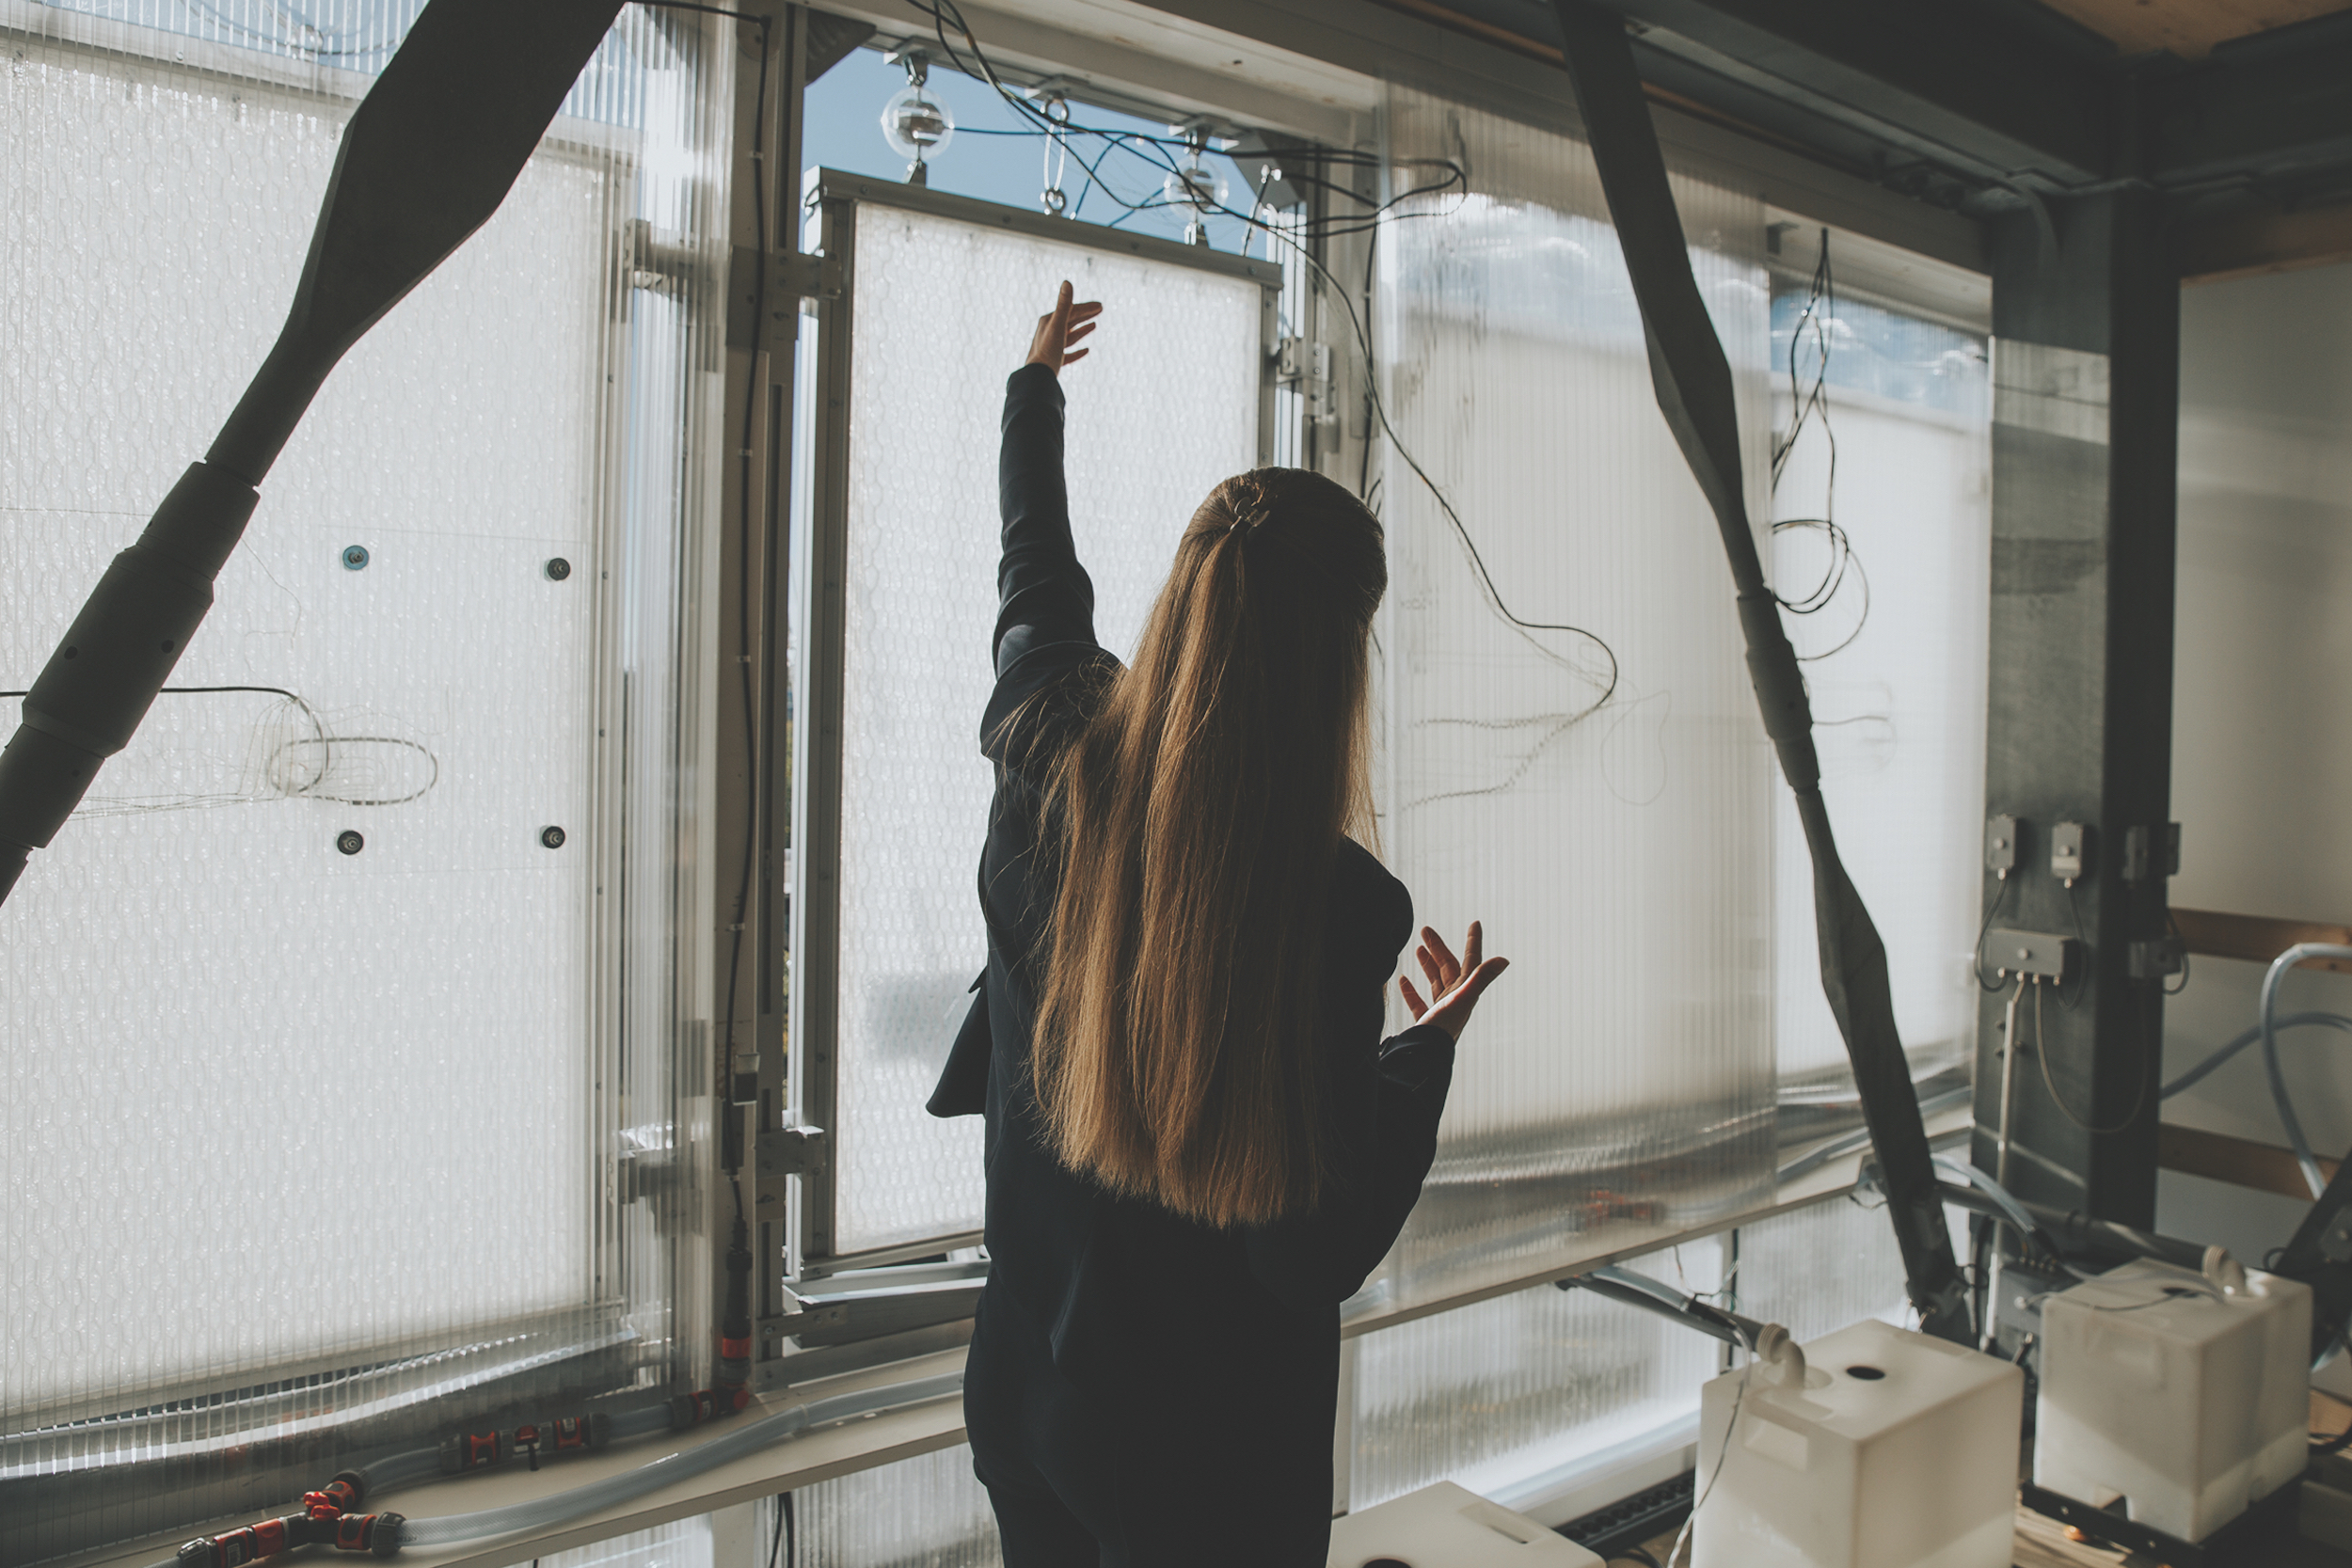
(1196, 816)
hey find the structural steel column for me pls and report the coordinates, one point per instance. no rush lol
(2085, 313)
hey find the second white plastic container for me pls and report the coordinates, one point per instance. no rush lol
(2185, 1404)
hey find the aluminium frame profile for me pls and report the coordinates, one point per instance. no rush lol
(832, 201)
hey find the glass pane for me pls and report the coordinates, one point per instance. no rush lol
(928, 1512)
(1602, 800)
(1817, 1268)
(1894, 641)
(1492, 1394)
(683, 1544)
(350, 1095)
(1163, 407)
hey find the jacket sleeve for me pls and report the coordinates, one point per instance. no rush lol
(1319, 1259)
(1045, 599)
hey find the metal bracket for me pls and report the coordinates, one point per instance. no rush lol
(867, 1303)
(646, 1172)
(2151, 854)
(2042, 953)
(2154, 960)
(792, 1151)
(1306, 366)
(792, 277)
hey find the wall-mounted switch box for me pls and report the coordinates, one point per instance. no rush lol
(2000, 843)
(2151, 854)
(2069, 842)
(2041, 952)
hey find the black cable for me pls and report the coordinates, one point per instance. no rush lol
(732, 1147)
(2173, 925)
(1819, 308)
(191, 690)
(784, 1533)
(319, 737)
(940, 10)
(1993, 908)
(2049, 1082)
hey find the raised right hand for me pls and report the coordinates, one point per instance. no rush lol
(1455, 983)
(1060, 327)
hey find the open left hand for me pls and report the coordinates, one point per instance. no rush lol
(1060, 327)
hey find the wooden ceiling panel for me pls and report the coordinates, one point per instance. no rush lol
(2188, 28)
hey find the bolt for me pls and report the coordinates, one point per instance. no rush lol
(552, 837)
(355, 557)
(349, 841)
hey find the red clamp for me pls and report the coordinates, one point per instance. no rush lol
(369, 1532)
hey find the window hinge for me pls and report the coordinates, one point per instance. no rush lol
(792, 1151)
(1305, 367)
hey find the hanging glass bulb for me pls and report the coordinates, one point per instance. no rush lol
(1192, 184)
(916, 124)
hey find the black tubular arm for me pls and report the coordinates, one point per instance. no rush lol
(1693, 380)
(428, 157)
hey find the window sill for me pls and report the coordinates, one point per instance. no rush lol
(783, 1467)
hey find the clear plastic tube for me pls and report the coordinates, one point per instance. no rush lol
(561, 1506)
(2205, 1068)
(2278, 971)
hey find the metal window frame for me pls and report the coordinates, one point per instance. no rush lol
(252, 1409)
(832, 201)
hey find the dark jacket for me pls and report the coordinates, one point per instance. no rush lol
(1127, 1296)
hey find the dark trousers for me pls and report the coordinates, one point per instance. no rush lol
(1167, 1470)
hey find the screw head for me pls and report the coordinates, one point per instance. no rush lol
(349, 841)
(558, 569)
(552, 837)
(355, 557)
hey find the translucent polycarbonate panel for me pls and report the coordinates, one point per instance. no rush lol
(310, 1014)
(930, 1511)
(1814, 1270)
(1599, 797)
(1164, 406)
(1494, 1393)
(1893, 640)
(682, 1544)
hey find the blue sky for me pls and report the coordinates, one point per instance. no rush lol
(843, 120)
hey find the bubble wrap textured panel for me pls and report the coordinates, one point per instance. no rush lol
(1896, 665)
(1493, 1393)
(930, 1511)
(1163, 407)
(221, 1032)
(1599, 797)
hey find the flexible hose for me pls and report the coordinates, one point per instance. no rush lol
(2279, 967)
(561, 1506)
(2205, 1068)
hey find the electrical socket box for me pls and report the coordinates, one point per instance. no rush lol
(2151, 854)
(2069, 850)
(2042, 953)
(2000, 843)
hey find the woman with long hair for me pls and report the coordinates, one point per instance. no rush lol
(1198, 1145)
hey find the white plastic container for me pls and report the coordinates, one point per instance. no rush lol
(1897, 1451)
(1445, 1526)
(2185, 1407)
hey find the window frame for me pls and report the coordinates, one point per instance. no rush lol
(832, 200)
